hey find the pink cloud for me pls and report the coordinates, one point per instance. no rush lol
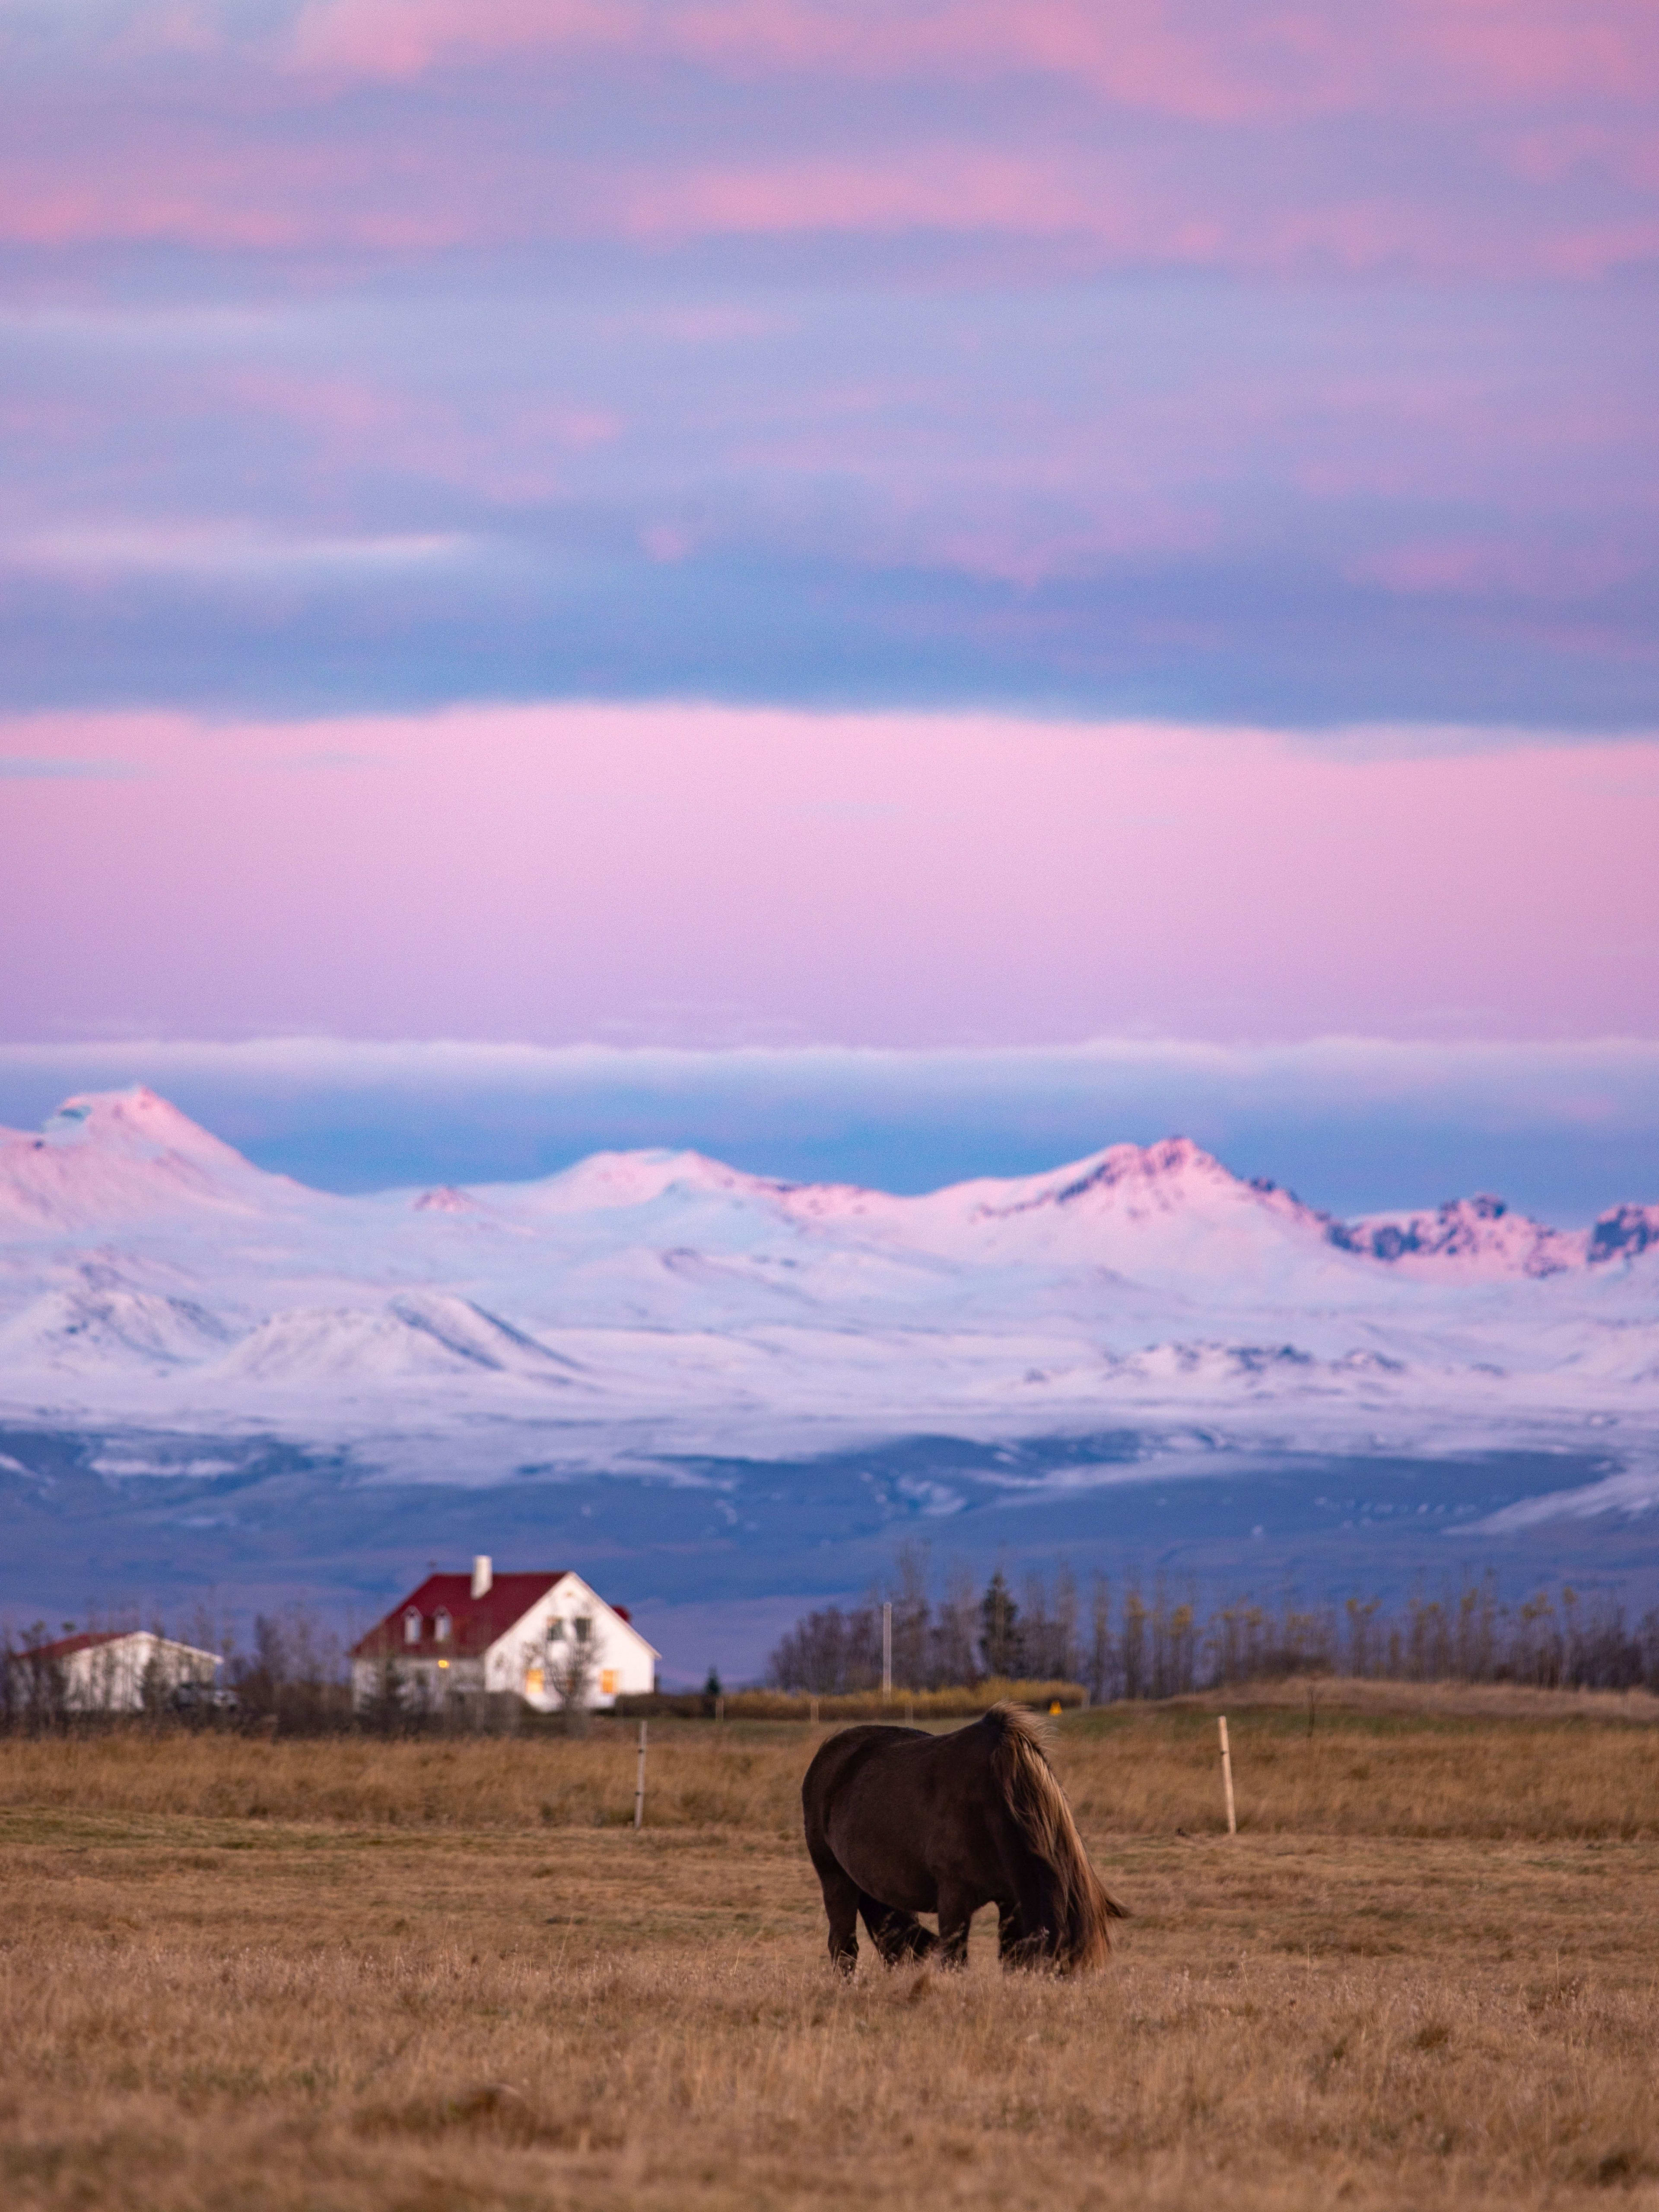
(947, 188)
(1590, 250)
(403, 38)
(1124, 210)
(668, 542)
(151, 185)
(1209, 59)
(270, 199)
(1138, 55)
(1554, 48)
(41, 212)
(260, 147)
(1506, 568)
(1206, 60)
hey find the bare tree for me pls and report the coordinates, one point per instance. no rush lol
(955, 1627)
(911, 1617)
(39, 1698)
(571, 1664)
(831, 1651)
(1102, 1661)
(1067, 1656)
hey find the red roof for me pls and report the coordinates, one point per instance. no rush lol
(87, 1640)
(91, 1639)
(475, 1622)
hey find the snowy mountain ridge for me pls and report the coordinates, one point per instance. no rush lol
(661, 1301)
(105, 1156)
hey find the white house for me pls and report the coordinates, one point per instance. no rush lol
(533, 1635)
(106, 1670)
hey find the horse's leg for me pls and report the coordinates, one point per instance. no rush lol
(1011, 1938)
(956, 1910)
(1026, 1912)
(1019, 1943)
(897, 1935)
(840, 1905)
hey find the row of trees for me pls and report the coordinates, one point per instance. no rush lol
(1127, 1644)
(1119, 1642)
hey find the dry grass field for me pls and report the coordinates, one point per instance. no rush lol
(334, 1976)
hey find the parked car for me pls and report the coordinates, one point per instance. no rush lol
(204, 1697)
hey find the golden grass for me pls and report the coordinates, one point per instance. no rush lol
(338, 1976)
(1350, 1758)
(958, 1703)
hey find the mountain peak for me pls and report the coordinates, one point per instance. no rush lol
(138, 1121)
(1173, 1174)
(1480, 1235)
(607, 1180)
(107, 1157)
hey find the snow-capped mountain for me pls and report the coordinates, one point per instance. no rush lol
(119, 1157)
(650, 1301)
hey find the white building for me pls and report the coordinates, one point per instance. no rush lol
(533, 1635)
(108, 1670)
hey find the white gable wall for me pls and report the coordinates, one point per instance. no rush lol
(109, 1678)
(624, 1664)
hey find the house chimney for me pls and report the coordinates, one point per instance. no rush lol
(482, 1574)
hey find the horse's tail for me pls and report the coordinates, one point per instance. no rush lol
(1034, 1797)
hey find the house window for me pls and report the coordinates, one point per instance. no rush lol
(411, 1626)
(556, 1629)
(441, 1625)
(584, 1628)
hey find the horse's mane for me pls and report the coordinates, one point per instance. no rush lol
(1038, 1804)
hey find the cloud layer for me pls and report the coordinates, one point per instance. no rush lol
(1283, 364)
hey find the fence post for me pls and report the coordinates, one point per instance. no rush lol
(1227, 1777)
(638, 1784)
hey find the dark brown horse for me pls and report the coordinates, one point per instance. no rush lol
(900, 1822)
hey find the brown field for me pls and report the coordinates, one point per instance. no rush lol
(326, 1977)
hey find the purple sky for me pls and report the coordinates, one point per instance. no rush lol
(1091, 522)
(1291, 364)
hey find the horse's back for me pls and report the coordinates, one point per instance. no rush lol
(839, 1757)
(901, 1809)
(904, 1759)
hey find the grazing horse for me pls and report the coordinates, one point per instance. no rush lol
(900, 1822)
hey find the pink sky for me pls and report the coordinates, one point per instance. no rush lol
(710, 875)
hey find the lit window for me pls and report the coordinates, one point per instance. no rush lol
(441, 1625)
(411, 1626)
